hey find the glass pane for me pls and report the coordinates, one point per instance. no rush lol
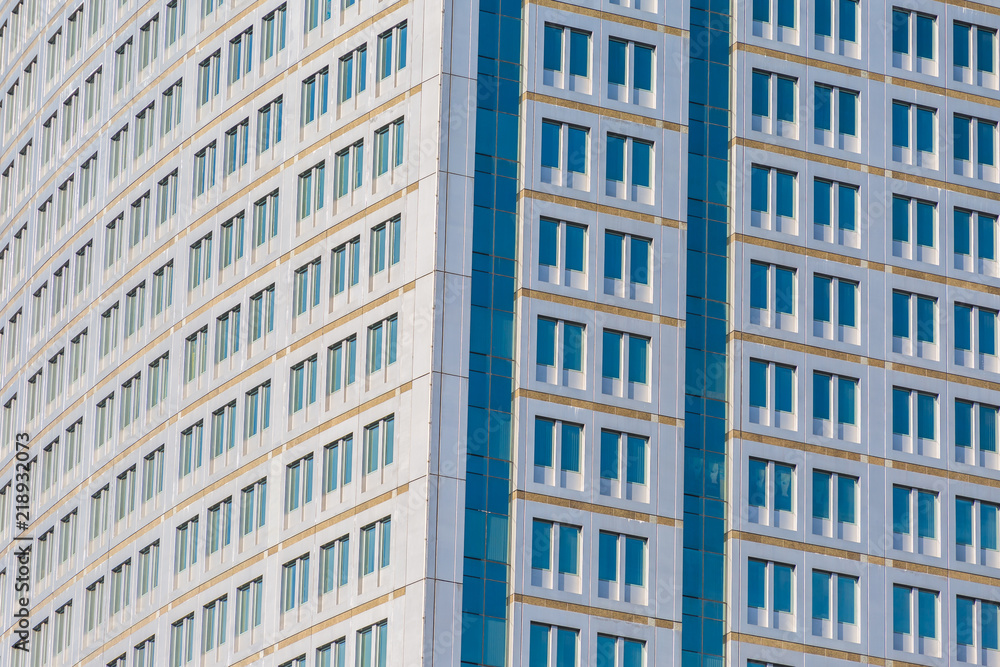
(847, 492)
(821, 495)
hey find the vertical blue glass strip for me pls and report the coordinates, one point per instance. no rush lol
(707, 322)
(491, 359)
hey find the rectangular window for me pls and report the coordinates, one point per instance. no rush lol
(391, 51)
(208, 78)
(379, 444)
(775, 96)
(338, 462)
(385, 245)
(257, 415)
(557, 444)
(382, 344)
(269, 119)
(223, 430)
(306, 288)
(334, 565)
(834, 490)
(240, 55)
(373, 645)
(909, 602)
(261, 313)
(249, 606)
(265, 219)
(272, 29)
(314, 96)
(253, 507)
(170, 108)
(190, 449)
(298, 483)
(623, 452)
(570, 338)
(353, 73)
(186, 545)
(295, 583)
(302, 385)
(621, 558)
(312, 184)
(236, 148)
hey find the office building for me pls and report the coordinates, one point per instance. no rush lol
(422, 332)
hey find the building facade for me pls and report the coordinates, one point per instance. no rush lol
(420, 332)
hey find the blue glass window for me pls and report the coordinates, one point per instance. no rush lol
(758, 384)
(848, 109)
(643, 68)
(786, 99)
(823, 107)
(989, 614)
(900, 411)
(925, 320)
(963, 423)
(783, 588)
(616, 158)
(577, 144)
(962, 222)
(759, 189)
(633, 656)
(925, 130)
(635, 462)
(846, 592)
(572, 435)
(987, 236)
(783, 488)
(639, 261)
(572, 347)
(635, 561)
(546, 342)
(784, 391)
(550, 144)
(607, 557)
(566, 641)
(822, 201)
(961, 41)
(926, 515)
(617, 62)
(544, 430)
(847, 492)
(901, 610)
(901, 219)
(569, 550)
(963, 521)
(821, 495)
(927, 610)
(784, 285)
(758, 483)
(758, 285)
(821, 595)
(986, 137)
(985, 41)
(611, 355)
(849, 20)
(847, 390)
(607, 652)
(988, 525)
(642, 158)
(541, 545)
(900, 124)
(822, 292)
(925, 36)
(847, 306)
(925, 224)
(847, 203)
(963, 327)
(579, 53)
(613, 250)
(762, 11)
(965, 621)
(901, 510)
(987, 428)
(576, 245)
(821, 396)
(900, 31)
(757, 580)
(987, 331)
(538, 649)
(786, 194)
(824, 18)
(638, 360)
(900, 315)
(548, 242)
(926, 416)
(962, 137)
(786, 13)
(609, 454)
